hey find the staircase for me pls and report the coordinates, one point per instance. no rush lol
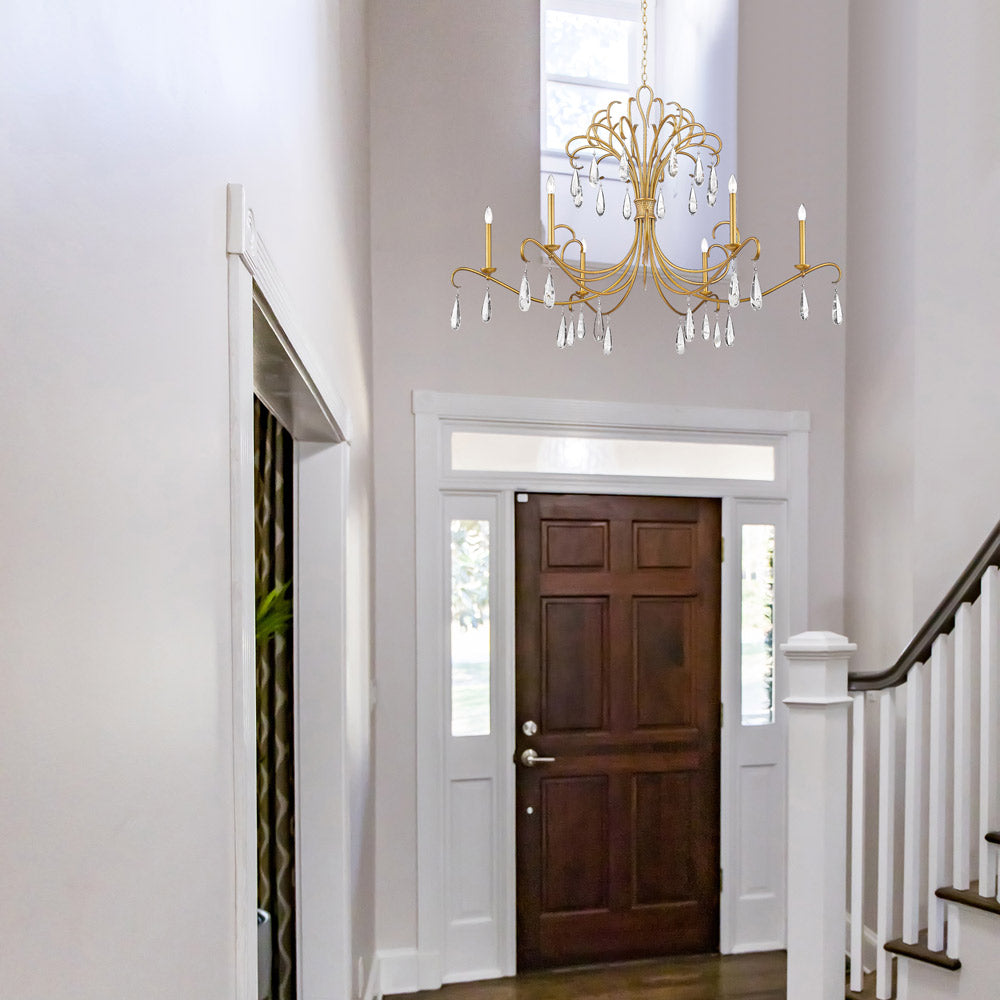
(921, 761)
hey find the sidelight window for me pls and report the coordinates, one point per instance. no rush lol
(470, 628)
(757, 624)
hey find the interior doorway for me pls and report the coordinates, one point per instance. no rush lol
(272, 356)
(274, 546)
(617, 695)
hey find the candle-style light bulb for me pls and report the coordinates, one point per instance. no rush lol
(488, 217)
(704, 245)
(704, 261)
(734, 233)
(802, 236)
(550, 192)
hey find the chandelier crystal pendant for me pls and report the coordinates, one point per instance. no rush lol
(646, 144)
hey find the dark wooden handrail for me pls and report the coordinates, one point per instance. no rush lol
(941, 621)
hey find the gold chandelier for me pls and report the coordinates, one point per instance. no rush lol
(649, 140)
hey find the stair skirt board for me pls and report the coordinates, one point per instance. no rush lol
(979, 939)
(977, 979)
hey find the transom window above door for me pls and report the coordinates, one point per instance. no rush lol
(483, 451)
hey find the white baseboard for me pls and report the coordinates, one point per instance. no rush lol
(869, 945)
(398, 971)
(373, 988)
(473, 976)
(869, 950)
(751, 947)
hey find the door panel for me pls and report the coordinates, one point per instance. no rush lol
(617, 636)
(574, 843)
(574, 664)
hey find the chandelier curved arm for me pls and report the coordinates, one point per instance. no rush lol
(573, 272)
(575, 296)
(558, 257)
(549, 252)
(681, 284)
(488, 277)
(604, 273)
(547, 249)
(658, 285)
(739, 246)
(594, 138)
(623, 287)
(801, 272)
(626, 269)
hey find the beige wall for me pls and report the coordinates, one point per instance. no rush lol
(924, 185)
(122, 124)
(454, 126)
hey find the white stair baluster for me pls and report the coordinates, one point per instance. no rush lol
(937, 792)
(962, 766)
(857, 841)
(962, 743)
(989, 729)
(886, 839)
(913, 816)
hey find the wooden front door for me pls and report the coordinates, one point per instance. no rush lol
(618, 680)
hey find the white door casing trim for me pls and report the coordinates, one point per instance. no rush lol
(436, 416)
(264, 335)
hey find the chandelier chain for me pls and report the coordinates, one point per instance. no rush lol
(645, 42)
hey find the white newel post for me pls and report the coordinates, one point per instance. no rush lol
(817, 813)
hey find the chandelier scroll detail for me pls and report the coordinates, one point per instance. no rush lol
(646, 140)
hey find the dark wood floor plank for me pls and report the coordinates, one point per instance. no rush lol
(694, 977)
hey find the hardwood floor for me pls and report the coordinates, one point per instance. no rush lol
(694, 977)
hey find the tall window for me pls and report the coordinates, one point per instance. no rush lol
(591, 54)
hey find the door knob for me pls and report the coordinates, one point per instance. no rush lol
(530, 758)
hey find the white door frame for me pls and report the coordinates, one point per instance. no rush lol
(436, 416)
(270, 353)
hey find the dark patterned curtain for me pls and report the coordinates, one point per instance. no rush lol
(275, 767)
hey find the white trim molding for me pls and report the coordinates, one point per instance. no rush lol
(782, 501)
(620, 417)
(398, 970)
(244, 241)
(265, 337)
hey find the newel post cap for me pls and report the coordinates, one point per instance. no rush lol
(817, 645)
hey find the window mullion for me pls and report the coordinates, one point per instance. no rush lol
(621, 10)
(588, 81)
